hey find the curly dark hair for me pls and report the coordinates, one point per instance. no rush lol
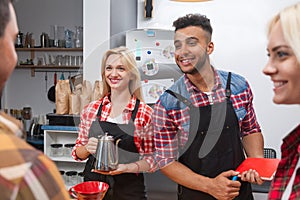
(4, 15)
(193, 20)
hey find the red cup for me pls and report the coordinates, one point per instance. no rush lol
(90, 190)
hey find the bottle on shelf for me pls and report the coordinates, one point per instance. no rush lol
(19, 40)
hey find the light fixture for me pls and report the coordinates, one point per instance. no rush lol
(148, 8)
(190, 0)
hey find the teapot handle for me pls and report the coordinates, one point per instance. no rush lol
(117, 152)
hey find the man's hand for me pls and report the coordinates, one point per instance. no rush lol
(223, 188)
(251, 176)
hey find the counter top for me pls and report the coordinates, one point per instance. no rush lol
(35, 140)
(59, 128)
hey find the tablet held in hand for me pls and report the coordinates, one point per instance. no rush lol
(266, 167)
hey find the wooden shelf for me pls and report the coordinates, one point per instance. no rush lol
(49, 49)
(41, 68)
(47, 67)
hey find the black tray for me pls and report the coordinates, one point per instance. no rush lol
(63, 120)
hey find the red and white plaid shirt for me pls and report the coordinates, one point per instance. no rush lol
(169, 131)
(143, 136)
(290, 154)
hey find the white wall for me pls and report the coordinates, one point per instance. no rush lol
(240, 46)
(96, 23)
(105, 23)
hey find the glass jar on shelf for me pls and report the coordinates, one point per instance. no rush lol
(56, 150)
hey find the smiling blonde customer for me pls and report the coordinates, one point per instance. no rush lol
(283, 68)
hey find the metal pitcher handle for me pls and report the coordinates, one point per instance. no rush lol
(117, 152)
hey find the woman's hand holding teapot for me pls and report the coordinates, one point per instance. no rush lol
(122, 168)
(91, 146)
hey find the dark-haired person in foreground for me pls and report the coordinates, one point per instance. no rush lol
(25, 173)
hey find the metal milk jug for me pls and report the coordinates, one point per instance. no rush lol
(106, 154)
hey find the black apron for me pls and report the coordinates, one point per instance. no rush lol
(123, 186)
(213, 146)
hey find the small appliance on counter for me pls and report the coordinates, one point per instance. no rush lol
(36, 131)
(35, 136)
(63, 120)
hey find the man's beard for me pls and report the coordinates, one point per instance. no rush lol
(196, 68)
(192, 71)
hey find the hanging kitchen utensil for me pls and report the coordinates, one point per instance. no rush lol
(77, 79)
(71, 81)
(46, 80)
(62, 76)
(51, 91)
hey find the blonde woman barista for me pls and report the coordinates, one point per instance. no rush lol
(283, 68)
(122, 113)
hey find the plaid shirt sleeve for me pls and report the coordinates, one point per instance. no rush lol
(165, 136)
(87, 116)
(249, 123)
(290, 155)
(144, 134)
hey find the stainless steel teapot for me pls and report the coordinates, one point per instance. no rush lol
(107, 156)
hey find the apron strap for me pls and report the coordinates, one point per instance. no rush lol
(180, 98)
(99, 110)
(137, 103)
(193, 112)
(136, 108)
(228, 91)
(189, 104)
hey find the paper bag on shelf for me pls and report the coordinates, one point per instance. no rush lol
(97, 90)
(86, 95)
(75, 103)
(62, 92)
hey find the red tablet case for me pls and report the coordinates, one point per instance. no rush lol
(266, 167)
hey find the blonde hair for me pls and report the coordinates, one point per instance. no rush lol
(290, 23)
(128, 60)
